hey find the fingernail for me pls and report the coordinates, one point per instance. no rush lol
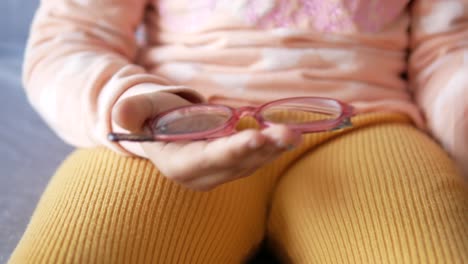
(286, 147)
(254, 143)
(283, 145)
(290, 147)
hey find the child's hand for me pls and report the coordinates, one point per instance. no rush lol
(202, 165)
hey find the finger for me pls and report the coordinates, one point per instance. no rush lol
(235, 167)
(224, 153)
(246, 149)
(279, 139)
(258, 159)
(282, 137)
(211, 181)
(132, 112)
(209, 163)
(184, 161)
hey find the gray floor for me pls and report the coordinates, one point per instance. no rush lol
(29, 152)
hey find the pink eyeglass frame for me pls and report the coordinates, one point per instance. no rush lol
(228, 128)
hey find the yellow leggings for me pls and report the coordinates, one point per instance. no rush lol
(380, 192)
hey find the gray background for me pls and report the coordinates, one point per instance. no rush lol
(29, 151)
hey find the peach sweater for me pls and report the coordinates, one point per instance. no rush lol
(83, 55)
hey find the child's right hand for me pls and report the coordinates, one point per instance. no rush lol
(202, 165)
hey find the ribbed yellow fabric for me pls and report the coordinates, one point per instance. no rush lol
(379, 192)
(104, 208)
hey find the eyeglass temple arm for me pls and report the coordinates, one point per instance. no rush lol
(344, 124)
(115, 137)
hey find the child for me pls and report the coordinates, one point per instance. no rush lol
(382, 191)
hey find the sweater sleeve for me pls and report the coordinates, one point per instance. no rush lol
(80, 60)
(438, 71)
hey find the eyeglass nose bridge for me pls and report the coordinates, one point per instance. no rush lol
(246, 111)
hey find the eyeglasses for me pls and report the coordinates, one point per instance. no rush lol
(207, 121)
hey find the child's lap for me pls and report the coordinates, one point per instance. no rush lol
(388, 190)
(381, 153)
(393, 158)
(376, 146)
(103, 197)
(375, 152)
(101, 206)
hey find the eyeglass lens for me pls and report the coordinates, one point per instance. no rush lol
(194, 120)
(301, 112)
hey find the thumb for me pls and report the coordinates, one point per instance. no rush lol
(132, 112)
